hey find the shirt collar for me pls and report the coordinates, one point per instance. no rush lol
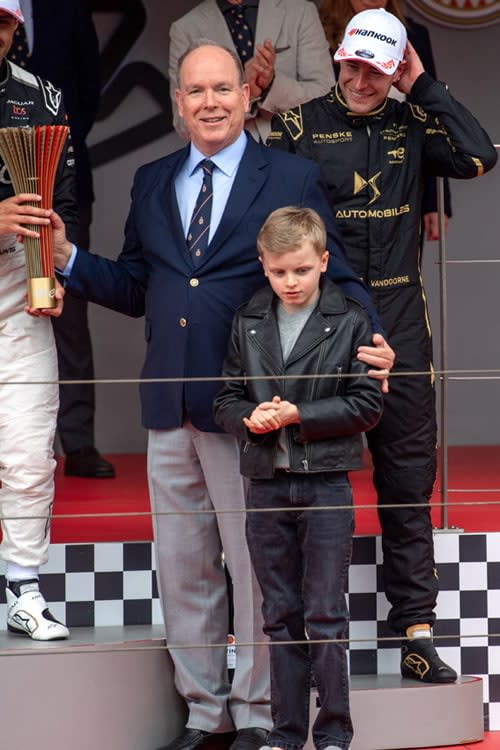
(227, 160)
(225, 6)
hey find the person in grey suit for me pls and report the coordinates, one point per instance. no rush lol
(289, 62)
(189, 260)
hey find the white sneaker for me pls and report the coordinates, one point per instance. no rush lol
(29, 615)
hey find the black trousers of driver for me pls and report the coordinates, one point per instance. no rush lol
(374, 167)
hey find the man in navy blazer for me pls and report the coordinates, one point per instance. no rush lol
(63, 48)
(188, 298)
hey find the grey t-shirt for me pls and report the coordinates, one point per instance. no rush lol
(290, 326)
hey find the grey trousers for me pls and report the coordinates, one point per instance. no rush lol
(192, 471)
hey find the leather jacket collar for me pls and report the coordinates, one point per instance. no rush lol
(331, 301)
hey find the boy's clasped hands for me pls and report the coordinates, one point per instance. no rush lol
(272, 415)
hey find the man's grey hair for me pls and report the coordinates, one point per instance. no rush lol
(209, 43)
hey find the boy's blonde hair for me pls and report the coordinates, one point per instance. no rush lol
(286, 229)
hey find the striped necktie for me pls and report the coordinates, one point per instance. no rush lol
(199, 227)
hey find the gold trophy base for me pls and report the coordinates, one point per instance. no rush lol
(42, 292)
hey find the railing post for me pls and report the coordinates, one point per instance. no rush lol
(443, 307)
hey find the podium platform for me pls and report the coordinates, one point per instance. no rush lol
(109, 687)
(112, 687)
(389, 713)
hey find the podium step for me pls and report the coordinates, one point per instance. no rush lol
(390, 713)
(113, 687)
(109, 687)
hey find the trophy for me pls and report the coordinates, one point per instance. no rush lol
(31, 156)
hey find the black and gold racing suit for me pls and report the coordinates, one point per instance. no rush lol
(374, 167)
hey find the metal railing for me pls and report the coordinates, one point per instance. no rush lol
(443, 326)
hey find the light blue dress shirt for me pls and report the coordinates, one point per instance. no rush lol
(188, 183)
(189, 180)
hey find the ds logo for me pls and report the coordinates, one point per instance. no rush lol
(360, 183)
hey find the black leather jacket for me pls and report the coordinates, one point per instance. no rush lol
(334, 411)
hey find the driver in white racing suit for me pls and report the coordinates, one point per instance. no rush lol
(28, 361)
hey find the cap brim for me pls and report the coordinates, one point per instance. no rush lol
(18, 16)
(386, 65)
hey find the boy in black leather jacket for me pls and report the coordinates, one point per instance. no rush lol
(300, 422)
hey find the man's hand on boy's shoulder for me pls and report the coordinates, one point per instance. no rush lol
(380, 356)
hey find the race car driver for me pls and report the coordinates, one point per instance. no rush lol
(28, 409)
(373, 152)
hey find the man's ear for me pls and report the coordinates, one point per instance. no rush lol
(178, 101)
(246, 96)
(401, 69)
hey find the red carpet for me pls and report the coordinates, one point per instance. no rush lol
(472, 468)
(107, 505)
(475, 469)
(491, 742)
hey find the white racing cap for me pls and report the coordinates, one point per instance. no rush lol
(375, 37)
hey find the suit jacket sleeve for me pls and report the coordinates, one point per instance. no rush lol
(118, 284)
(314, 75)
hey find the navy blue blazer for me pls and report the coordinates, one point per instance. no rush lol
(188, 309)
(66, 52)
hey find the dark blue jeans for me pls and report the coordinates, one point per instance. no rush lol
(301, 559)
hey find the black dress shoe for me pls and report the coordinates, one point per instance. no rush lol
(198, 739)
(88, 462)
(251, 738)
(421, 661)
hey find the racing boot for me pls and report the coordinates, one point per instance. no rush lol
(421, 661)
(28, 614)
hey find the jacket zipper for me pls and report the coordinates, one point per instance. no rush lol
(305, 460)
(337, 379)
